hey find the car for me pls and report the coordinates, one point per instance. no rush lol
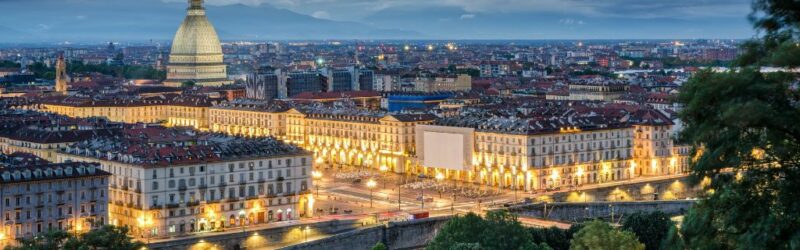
(348, 211)
(356, 181)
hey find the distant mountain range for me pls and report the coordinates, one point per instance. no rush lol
(142, 20)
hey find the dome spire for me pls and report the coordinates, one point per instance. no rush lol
(196, 7)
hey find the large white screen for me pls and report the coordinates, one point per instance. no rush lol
(444, 150)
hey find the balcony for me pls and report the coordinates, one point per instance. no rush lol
(202, 186)
(232, 199)
(261, 180)
(124, 188)
(173, 205)
(222, 185)
(153, 207)
(192, 203)
(182, 188)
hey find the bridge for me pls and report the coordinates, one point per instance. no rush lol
(581, 211)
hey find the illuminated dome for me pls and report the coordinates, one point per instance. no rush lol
(196, 53)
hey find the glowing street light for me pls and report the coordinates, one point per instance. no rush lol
(440, 178)
(305, 233)
(370, 184)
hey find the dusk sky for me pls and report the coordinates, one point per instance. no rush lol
(100, 20)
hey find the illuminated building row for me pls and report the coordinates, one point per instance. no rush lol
(540, 154)
(35, 198)
(179, 111)
(173, 191)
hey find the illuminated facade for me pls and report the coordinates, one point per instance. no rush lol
(555, 154)
(196, 54)
(358, 138)
(201, 189)
(248, 119)
(61, 76)
(66, 196)
(180, 111)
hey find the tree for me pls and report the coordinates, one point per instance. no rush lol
(598, 235)
(8, 64)
(499, 230)
(554, 237)
(105, 237)
(109, 237)
(745, 128)
(188, 84)
(50, 240)
(650, 228)
(379, 246)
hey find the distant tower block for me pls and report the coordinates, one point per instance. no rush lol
(61, 76)
(196, 54)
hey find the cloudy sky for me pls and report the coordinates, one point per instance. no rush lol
(352, 10)
(400, 19)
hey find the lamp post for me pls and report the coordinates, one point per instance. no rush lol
(439, 179)
(305, 233)
(370, 184)
(317, 176)
(145, 224)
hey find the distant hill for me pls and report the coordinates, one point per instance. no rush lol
(142, 20)
(54, 20)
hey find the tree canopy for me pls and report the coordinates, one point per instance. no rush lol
(649, 228)
(105, 237)
(745, 128)
(40, 70)
(554, 237)
(599, 235)
(499, 230)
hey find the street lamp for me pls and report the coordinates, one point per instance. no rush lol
(440, 178)
(370, 184)
(305, 233)
(144, 224)
(317, 176)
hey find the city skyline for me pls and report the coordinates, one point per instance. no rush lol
(94, 21)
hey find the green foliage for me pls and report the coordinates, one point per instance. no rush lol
(105, 237)
(466, 246)
(40, 70)
(471, 72)
(379, 246)
(554, 237)
(499, 230)
(672, 240)
(650, 228)
(598, 235)
(188, 84)
(8, 64)
(594, 72)
(731, 115)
